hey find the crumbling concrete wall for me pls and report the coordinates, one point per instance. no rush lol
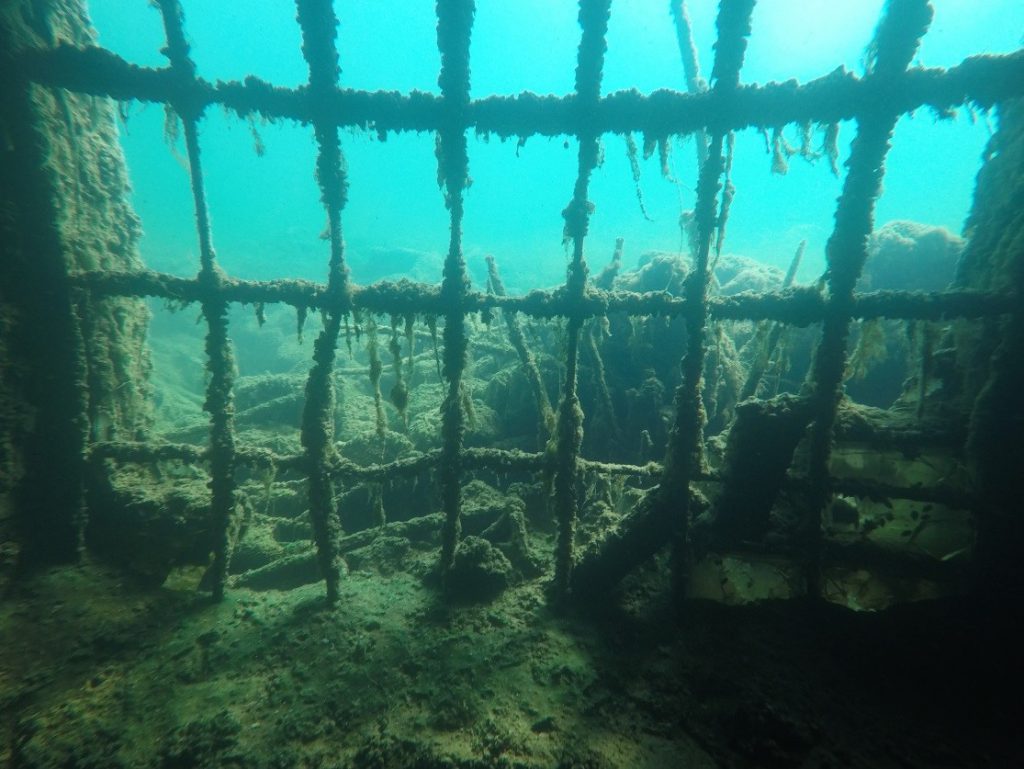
(67, 367)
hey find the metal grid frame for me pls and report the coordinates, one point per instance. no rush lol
(890, 89)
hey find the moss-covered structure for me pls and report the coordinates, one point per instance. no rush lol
(92, 284)
(74, 369)
(682, 430)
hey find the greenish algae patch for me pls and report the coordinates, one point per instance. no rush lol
(273, 679)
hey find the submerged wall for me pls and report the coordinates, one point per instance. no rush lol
(63, 207)
(993, 359)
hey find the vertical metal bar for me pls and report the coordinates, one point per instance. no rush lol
(684, 454)
(896, 39)
(319, 29)
(593, 18)
(219, 357)
(454, 27)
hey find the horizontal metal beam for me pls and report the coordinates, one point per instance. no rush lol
(500, 460)
(795, 306)
(981, 81)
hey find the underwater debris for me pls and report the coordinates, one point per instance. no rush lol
(410, 343)
(665, 512)
(594, 332)
(480, 571)
(758, 453)
(606, 280)
(927, 335)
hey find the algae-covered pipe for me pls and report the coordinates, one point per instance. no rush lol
(219, 358)
(665, 511)
(684, 454)
(593, 19)
(319, 29)
(454, 27)
(895, 44)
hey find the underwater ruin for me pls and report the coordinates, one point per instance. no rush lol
(687, 508)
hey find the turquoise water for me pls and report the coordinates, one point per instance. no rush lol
(265, 210)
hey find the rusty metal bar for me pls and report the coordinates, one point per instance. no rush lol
(220, 360)
(454, 27)
(979, 80)
(319, 29)
(684, 456)
(593, 18)
(799, 306)
(497, 460)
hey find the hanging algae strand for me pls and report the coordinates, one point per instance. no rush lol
(526, 357)
(634, 168)
(376, 370)
(432, 327)
(399, 391)
(595, 330)
(410, 343)
(728, 193)
(598, 328)
(768, 335)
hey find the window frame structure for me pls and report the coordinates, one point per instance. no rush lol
(890, 89)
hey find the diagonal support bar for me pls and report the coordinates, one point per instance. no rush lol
(899, 32)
